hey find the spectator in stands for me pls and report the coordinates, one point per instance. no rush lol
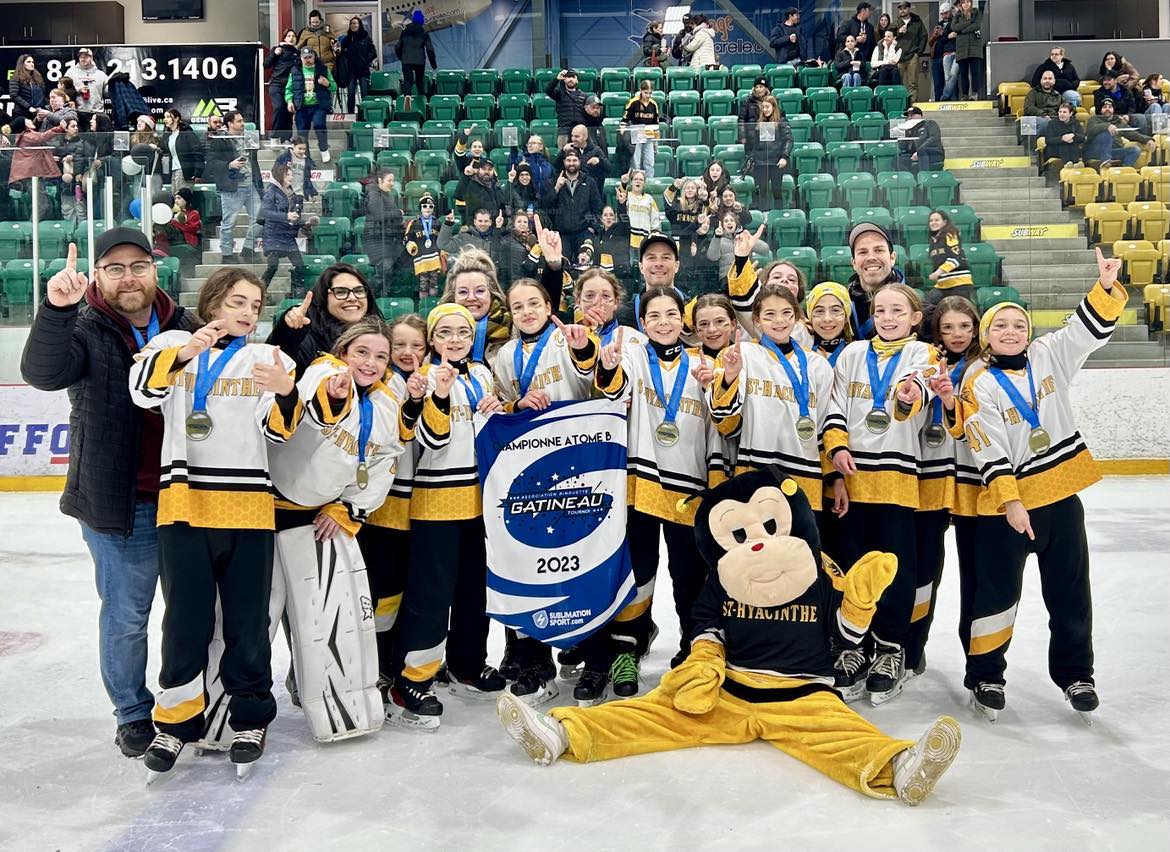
(848, 63)
(1042, 101)
(686, 212)
(185, 227)
(1111, 90)
(465, 151)
(1153, 98)
(680, 38)
(101, 126)
(768, 149)
(884, 24)
(145, 146)
(320, 39)
(700, 44)
(922, 146)
(183, 151)
(911, 37)
(421, 239)
(642, 116)
(595, 122)
(75, 154)
(1064, 136)
(862, 31)
(715, 180)
(1110, 139)
(721, 248)
(966, 28)
(943, 72)
(384, 234)
(281, 60)
(236, 172)
(515, 248)
(1065, 75)
(414, 50)
(360, 56)
(309, 94)
(525, 195)
(570, 103)
(536, 158)
(950, 273)
(482, 232)
(728, 202)
(56, 111)
(144, 131)
(783, 273)
(749, 110)
(90, 83)
(1122, 68)
(885, 61)
(594, 161)
(281, 210)
(26, 88)
(785, 39)
(301, 164)
(480, 190)
(872, 256)
(574, 203)
(654, 54)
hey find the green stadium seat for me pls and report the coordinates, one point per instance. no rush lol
(786, 228)
(18, 280)
(832, 127)
(836, 264)
(692, 159)
(654, 75)
(845, 156)
(801, 125)
(315, 264)
(898, 187)
(449, 189)
(919, 265)
(821, 99)
(714, 79)
(808, 157)
(816, 190)
(515, 106)
(355, 165)
(723, 129)
(811, 76)
(830, 225)
(544, 107)
(167, 270)
(472, 129)
(780, 76)
(403, 135)
(732, 157)
(803, 258)
(878, 215)
(516, 81)
(483, 81)
(444, 107)
(431, 165)
(385, 83)
(542, 77)
(15, 240)
(502, 124)
(81, 234)
(613, 104)
(547, 130)
(684, 103)
(664, 160)
(361, 135)
(883, 156)
(684, 79)
(418, 107)
(985, 297)
(376, 109)
(912, 224)
(396, 161)
(938, 188)
(718, 102)
(361, 262)
(745, 187)
(55, 266)
(615, 80)
(450, 82)
(689, 129)
(892, 100)
(436, 134)
(983, 261)
(791, 100)
(656, 186)
(963, 217)
(589, 79)
(609, 192)
(499, 158)
(395, 306)
(479, 108)
(856, 189)
(744, 76)
(415, 189)
(856, 99)
(55, 237)
(869, 126)
(330, 235)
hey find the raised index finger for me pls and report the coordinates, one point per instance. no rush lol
(308, 300)
(557, 322)
(71, 257)
(760, 230)
(618, 340)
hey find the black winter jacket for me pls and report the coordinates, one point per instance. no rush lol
(221, 151)
(573, 212)
(281, 64)
(414, 46)
(190, 148)
(1067, 78)
(855, 27)
(570, 105)
(83, 350)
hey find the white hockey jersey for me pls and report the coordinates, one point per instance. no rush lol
(557, 373)
(394, 512)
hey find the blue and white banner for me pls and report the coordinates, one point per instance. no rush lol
(554, 506)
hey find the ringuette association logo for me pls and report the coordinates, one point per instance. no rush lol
(555, 502)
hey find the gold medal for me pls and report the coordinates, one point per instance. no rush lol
(806, 429)
(363, 475)
(199, 425)
(877, 421)
(666, 434)
(1039, 440)
(935, 435)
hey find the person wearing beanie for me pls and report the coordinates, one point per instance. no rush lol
(422, 244)
(414, 50)
(943, 71)
(749, 110)
(185, 226)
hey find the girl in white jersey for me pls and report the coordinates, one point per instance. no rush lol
(716, 326)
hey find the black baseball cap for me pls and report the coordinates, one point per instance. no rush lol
(913, 110)
(115, 237)
(657, 237)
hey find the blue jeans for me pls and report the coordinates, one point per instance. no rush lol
(644, 158)
(1104, 146)
(314, 116)
(233, 203)
(851, 78)
(126, 575)
(356, 83)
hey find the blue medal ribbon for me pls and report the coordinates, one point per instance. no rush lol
(366, 412)
(836, 353)
(473, 390)
(525, 372)
(1027, 411)
(936, 403)
(151, 330)
(798, 380)
(208, 372)
(480, 345)
(879, 385)
(670, 405)
(607, 332)
(426, 223)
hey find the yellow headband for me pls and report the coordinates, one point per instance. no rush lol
(829, 288)
(989, 316)
(447, 309)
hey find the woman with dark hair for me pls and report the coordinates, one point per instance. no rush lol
(339, 299)
(281, 61)
(182, 151)
(27, 87)
(360, 56)
(281, 212)
(950, 273)
(101, 126)
(384, 232)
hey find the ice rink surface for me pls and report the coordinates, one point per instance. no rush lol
(1039, 779)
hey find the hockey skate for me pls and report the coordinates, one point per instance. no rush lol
(1082, 695)
(624, 675)
(988, 699)
(849, 672)
(592, 688)
(290, 683)
(534, 687)
(385, 684)
(543, 737)
(509, 665)
(918, 768)
(887, 675)
(161, 755)
(413, 706)
(247, 748)
(484, 687)
(570, 663)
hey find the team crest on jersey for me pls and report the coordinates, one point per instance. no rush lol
(367, 609)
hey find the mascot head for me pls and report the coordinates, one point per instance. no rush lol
(758, 531)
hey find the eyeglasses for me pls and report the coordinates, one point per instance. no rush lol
(343, 293)
(478, 293)
(117, 271)
(426, 204)
(461, 333)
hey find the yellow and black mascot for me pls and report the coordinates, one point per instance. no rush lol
(760, 664)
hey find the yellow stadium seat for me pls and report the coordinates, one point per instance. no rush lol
(1079, 186)
(1087, 87)
(1140, 261)
(1011, 97)
(1151, 220)
(1156, 183)
(1121, 184)
(1163, 247)
(1157, 299)
(1107, 222)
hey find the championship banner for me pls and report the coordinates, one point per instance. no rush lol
(34, 432)
(199, 80)
(554, 507)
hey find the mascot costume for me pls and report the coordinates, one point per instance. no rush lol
(760, 665)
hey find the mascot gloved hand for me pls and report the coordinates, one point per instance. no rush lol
(695, 683)
(864, 584)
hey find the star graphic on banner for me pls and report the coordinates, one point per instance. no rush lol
(555, 478)
(549, 530)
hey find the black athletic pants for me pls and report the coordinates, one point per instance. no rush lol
(193, 564)
(889, 529)
(966, 536)
(1063, 554)
(932, 530)
(386, 553)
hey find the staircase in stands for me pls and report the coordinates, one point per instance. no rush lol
(1052, 274)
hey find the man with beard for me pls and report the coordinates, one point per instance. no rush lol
(574, 203)
(873, 267)
(112, 482)
(1043, 101)
(912, 42)
(570, 103)
(479, 190)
